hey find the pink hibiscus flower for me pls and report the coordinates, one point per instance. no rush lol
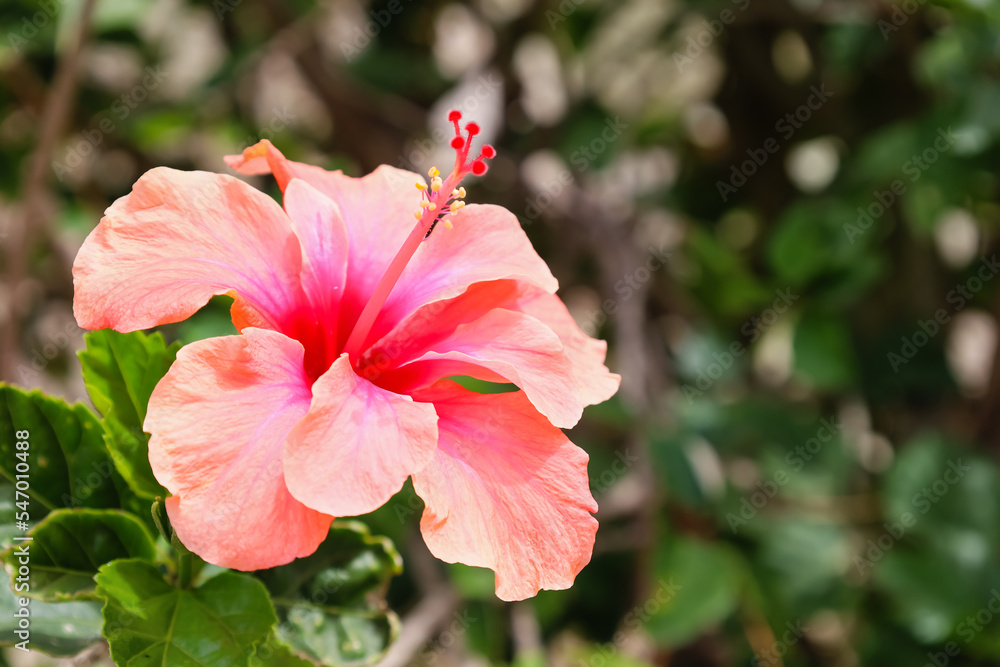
(352, 315)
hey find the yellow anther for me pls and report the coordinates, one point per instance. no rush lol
(433, 172)
(420, 186)
(457, 204)
(432, 206)
(424, 204)
(418, 214)
(461, 193)
(447, 224)
(436, 184)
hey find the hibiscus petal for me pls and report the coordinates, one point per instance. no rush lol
(506, 490)
(504, 344)
(176, 240)
(594, 382)
(357, 444)
(318, 224)
(436, 321)
(218, 421)
(263, 158)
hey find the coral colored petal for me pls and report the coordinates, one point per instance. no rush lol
(357, 444)
(436, 321)
(218, 421)
(176, 240)
(511, 345)
(486, 243)
(594, 382)
(248, 164)
(318, 224)
(263, 158)
(506, 490)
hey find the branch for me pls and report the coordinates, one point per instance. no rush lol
(57, 107)
(420, 625)
(91, 655)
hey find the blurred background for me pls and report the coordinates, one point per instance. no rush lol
(781, 214)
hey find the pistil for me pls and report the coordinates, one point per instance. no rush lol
(442, 197)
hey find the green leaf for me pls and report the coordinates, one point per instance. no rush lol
(951, 493)
(879, 157)
(120, 372)
(927, 592)
(816, 238)
(129, 449)
(726, 282)
(606, 655)
(274, 653)
(148, 622)
(330, 603)
(57, 628)
(334, 637)
(699, 586)
(824, 353)
(161, 520)
(799, 562)
(68, 462)
(346, 568)
(69, 546)
(924, 202)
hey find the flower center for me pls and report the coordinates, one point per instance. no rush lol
(440, 198)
